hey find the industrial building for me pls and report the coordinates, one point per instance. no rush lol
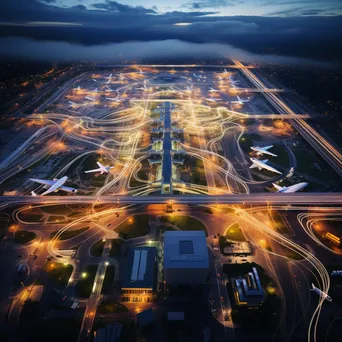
(186, 259)
(248, 290)
(139, 281)
(238, 248)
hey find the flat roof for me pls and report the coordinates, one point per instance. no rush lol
(140, 268)
(185, 249)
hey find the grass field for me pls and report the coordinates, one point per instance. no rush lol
(208, 211)
(280, 224)
(85, 284)
(108, 279)
(134, 226)
(235, 233)
(116, 247)
(58, 272)
(24, 236)
(185, 222)
(110, 306)
(293, 255)
(97, 248)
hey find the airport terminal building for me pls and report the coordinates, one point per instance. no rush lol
(139, 282)
(186, 258)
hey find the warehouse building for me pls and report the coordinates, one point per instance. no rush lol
(186, 259)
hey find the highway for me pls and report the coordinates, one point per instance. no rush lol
(285, 199)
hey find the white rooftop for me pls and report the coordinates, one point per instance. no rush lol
(185, 249)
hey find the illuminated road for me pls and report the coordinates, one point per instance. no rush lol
(247, 199)
(326, 149)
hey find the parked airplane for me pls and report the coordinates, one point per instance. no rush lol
(212, 90)
(321, 293)
(291, 172)
(291, 188)
(211, 99)
(144, 88)
(72, 104)
(94, 80)
(263, 150)
(108, 77)
(240, 100)
(199, 76)
(90, 98)
(232, 81)
(262, 164)
(102, 169)
(113, 99)
(53, 185)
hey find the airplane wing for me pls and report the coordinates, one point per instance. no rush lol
(266, 148)
(94, 170)
(43, 181)
(278, 187)
(253, 166)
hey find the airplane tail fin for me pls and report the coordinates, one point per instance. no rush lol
(313, 287)
(33, 194)
(264, 161)
(278, 187)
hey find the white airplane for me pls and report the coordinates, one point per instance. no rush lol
(262, 164)
(90, 98)
(232, 81)
(96, 90)
(108, 77)
(102, 169)
(240, 100)
(72, 104)
(94, 80)
(113, 99)
(212, 90)
(263, 150)
(321, 293)
(225, 71)
(199, 76)
(144, 88)
(291, 188)
(141, 72)
(109, 88)
(291, 172)
(53, 185)
(211, 99)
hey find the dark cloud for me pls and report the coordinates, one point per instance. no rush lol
(306, 36)
(199, 4)
(114, 6)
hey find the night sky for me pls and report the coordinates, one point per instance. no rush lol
(287, 31)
